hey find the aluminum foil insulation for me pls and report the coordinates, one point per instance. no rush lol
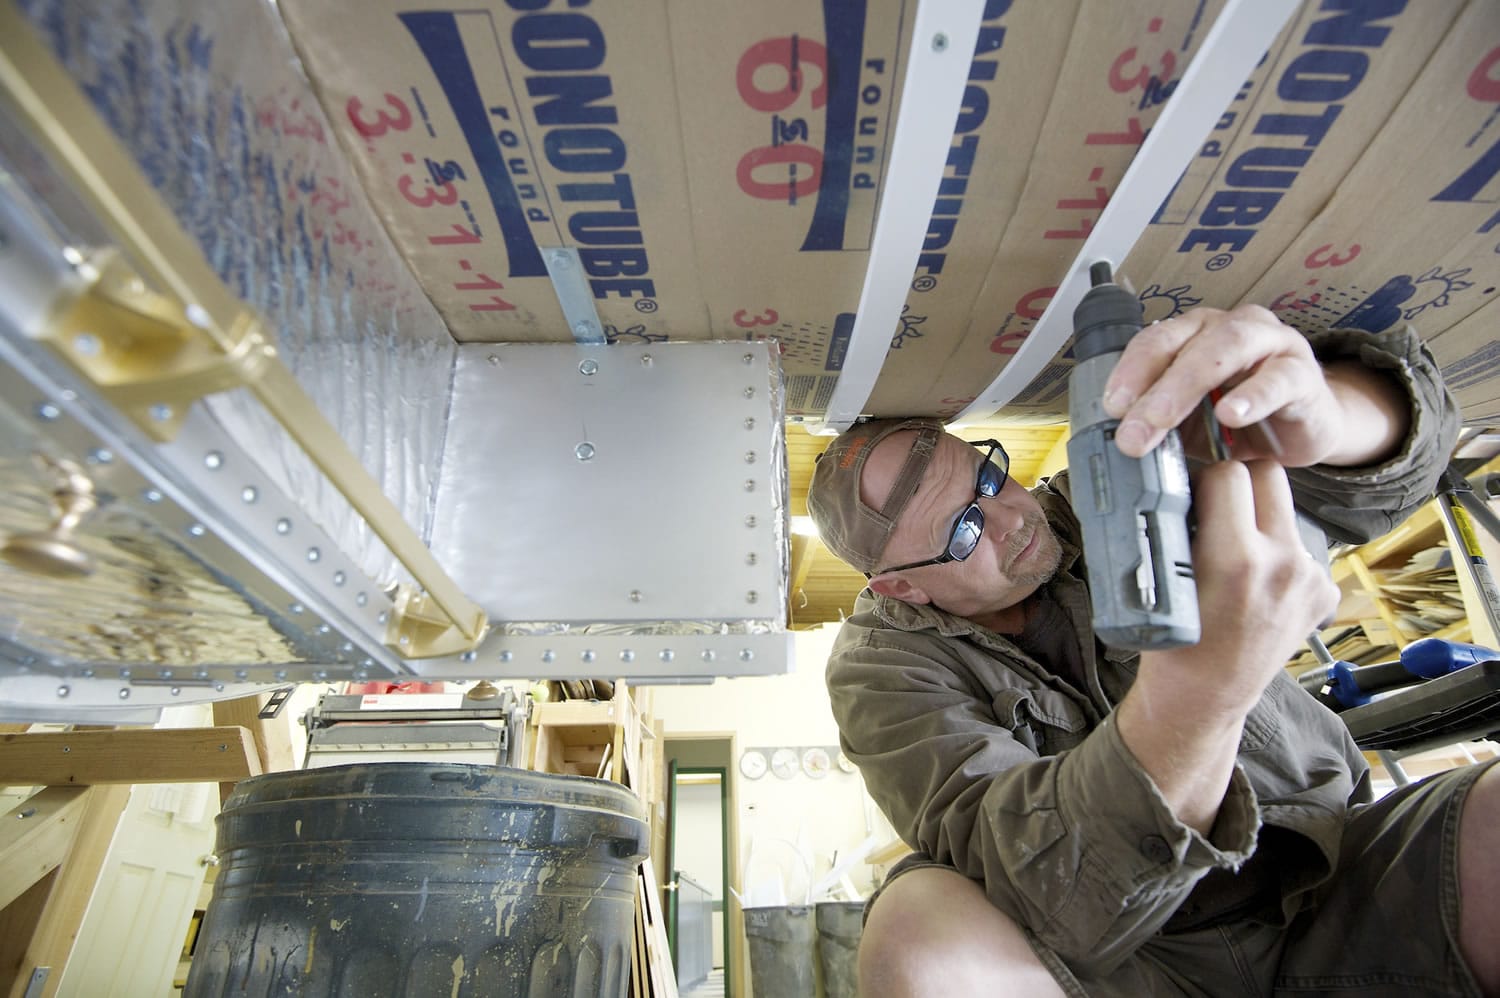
(212, 103)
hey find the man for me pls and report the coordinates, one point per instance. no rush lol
(1087, 820)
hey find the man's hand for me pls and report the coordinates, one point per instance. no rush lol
(1260, 596)
(1345, 414)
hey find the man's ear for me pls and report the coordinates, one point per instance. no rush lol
(896, 586)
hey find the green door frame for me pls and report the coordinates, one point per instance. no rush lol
(723, 774)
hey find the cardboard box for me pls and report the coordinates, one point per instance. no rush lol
(1468, 353)
(1120, 65)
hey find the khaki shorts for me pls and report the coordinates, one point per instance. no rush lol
(1385, 924)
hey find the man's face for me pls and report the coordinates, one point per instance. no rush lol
(1017, 551)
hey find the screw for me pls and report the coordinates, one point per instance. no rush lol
(939, 42)
(151, 495)
(176, 690)
(23, 815)
(749, 422)
(213, 460)
(63, 691)
(749, 457)
(47, 411)
(548, 655)
(295, 608)
(588, 367)
(283, 526)
(561, 261)
(86, 344)
(382, 617)
(313, 554)
(280, 675)
(749, 485)
(241, 673)
(100, 455)
(361, 599)
(635, 595)
(584, 328)
(468, 656)
(249, 493)
(750, 521)
(746, 654)
(338, 578)
(124, 694)
(645, 360)
(321, 675)
(494, 360)
(751, 558)
(587, 656)
(752, 596)
(708, 655)
(197, 530)
(749, 358)
(507, 655)
(584, 451)
(197, 315)
(749, 391)
(161, 412)
(627, 655)
(667, 654)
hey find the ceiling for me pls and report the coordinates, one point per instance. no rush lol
(822, 587)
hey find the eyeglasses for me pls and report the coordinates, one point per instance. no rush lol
(964, 537)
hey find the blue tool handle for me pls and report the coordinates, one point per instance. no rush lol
(1433, 657)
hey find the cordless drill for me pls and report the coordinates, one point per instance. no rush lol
(1134, 511)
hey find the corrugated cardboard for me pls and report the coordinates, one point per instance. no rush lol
(1468, 353)
(1120, 66)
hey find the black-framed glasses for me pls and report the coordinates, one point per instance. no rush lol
(964, 537)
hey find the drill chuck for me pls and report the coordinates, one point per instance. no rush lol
(1133, 510)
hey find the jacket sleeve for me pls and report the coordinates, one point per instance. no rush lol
(1358, 504)
(1079, 847)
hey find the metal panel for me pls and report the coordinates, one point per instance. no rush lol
(641, 483)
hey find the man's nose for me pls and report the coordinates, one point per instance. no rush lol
(1001, 517)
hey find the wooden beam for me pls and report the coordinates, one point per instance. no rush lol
(35, 836)
(57, 928)
(149, 755)
(273, 738)
(17, 922)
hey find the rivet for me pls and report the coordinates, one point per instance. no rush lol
(213, 460)
(124, 673)
(939, 42)
(324, 629)
(468, 656)
(587, 656)
(165, 674)
(548, 655)
(218, 687)
(635, 596)
(88, 673)
(752, 596)
(750, 521)
(588, 367)
(151, 495)
(708, 655)
(72, 255)
(48, 411)
(241, 673)
(62, 691)
(338, 578)
(493, 359)
(583, 328)
(86, 344)
(361, 675)
(361, 599)
(382, 617)
(201, 674)
(749, 485)
(26, 813)
(295, 608)
(751, 558)
(627, 655)
(321, 675)
(283, 526)
(176, 690)
(124, 693)
(746, 654)
(100, 455)
(405, 640)
(749, 457)
(667, 655)
(346, 647)
(249, 493)
(585, 451)
(749, 391)
(749, 358)
(561, 261)
(197, 530)
(645, 360)
(161, 412)
(280, 675)
(507, 655)
(313, 554)
(197, 315)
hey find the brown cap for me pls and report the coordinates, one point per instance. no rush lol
(852, 530)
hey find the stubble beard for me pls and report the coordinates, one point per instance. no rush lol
(1042, 563)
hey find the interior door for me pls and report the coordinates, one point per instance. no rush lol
(135, 924)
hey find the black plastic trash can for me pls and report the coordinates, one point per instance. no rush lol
(408, 879)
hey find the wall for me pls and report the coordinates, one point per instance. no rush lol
(791, 830)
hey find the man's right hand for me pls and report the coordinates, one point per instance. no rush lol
(1259, 595)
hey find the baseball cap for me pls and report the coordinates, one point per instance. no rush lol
(851, 529)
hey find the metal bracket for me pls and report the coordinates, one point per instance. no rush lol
(145, 353)
(277, 700)
(418, 628)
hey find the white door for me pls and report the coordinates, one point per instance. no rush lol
(133, 930)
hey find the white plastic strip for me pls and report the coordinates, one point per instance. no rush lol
(944, 35)
(1230, 51)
